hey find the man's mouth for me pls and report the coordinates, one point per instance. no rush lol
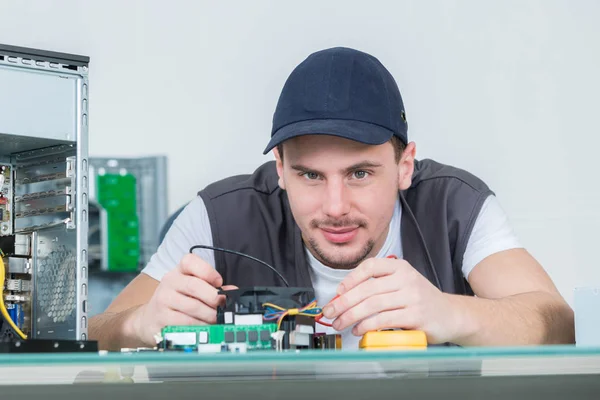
(340, 235)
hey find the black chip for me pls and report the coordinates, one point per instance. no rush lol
(265, 335)
(252, 336)
(240, 336)
(229, 337)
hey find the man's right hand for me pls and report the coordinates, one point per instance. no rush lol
(187, 295)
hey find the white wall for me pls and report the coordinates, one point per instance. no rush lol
(508, 90)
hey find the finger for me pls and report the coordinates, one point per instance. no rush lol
(369, 306)
(174, 317)
(193, 265)
(197, 288)
(193, 308)
(370, 268)
(400, 318)
(358, 294)
(222, 296)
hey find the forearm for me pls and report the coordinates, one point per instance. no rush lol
(524, 319)
(114, 331)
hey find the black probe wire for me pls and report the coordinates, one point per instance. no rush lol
(201, 246)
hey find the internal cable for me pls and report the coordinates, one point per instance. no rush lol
(275, 312)
(201, 246)
(2, 306)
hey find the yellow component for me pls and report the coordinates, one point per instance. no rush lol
(293, 311)
(393, 340)
(2, 306)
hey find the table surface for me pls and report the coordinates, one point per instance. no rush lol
(502, 372)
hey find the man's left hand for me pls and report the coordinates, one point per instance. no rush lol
(390, 293)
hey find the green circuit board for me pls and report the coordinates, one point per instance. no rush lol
(118, 196)
(255, 337)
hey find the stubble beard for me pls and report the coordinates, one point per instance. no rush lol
(340, 261)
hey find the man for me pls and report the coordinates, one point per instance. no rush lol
(345, 193)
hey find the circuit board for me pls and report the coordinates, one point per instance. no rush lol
(211, 338)
(5, 199)
(117, 194)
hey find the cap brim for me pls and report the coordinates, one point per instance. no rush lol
(362, 132)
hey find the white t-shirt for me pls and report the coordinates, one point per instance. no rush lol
(491, 233)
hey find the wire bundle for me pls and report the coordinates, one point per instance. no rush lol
(275, 312)
(3, 310)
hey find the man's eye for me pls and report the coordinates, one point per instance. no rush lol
(360, 174)
(311, 175)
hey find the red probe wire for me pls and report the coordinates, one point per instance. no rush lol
(318, 319)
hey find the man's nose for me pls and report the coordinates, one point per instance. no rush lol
(336, 202)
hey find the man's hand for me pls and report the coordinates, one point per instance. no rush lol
(390, 293)
(187, 295)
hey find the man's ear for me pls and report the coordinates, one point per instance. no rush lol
(406, 166)
(279, 164)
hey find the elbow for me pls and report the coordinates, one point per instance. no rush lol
(559, 321)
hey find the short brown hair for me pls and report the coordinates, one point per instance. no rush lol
(398, 144)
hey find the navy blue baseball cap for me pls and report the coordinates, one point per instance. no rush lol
(341, 92)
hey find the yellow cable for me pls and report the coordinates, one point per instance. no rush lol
(293, 311)
(280, 320)
(3, 307)
(273, 306)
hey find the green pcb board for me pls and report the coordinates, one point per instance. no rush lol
(253, 337)
(117, 195)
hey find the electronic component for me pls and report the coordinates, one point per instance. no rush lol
(254, 337)
(327, 341)
(299, 331)
(15, 312)
(128, 207)
(117, 194)
(15, 301)
(6, 196)
(16, 245)
(394, 340)
(248, 319)
(251, 300)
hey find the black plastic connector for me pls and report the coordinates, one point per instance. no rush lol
(250, 300)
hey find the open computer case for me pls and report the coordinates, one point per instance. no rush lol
(44, 192)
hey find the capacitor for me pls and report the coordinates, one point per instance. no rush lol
(15, 313)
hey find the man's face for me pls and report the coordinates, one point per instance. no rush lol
(342, 194)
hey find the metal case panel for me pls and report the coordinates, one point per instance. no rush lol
(37, 104)
(55, 283)
(82, 207)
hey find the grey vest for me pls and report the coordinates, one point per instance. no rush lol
(251, 214)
